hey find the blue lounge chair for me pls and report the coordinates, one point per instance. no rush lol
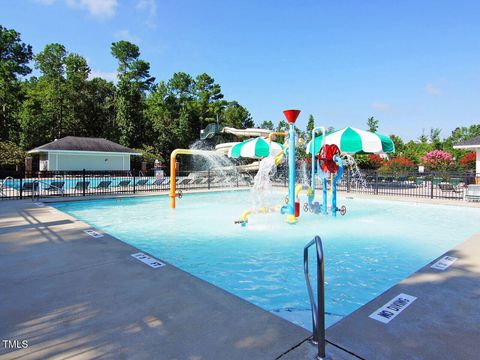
(103, 185)
(124, 183)
(30, 186)
(142, 182)
(56, 186)
(79, 185)
(158, 182)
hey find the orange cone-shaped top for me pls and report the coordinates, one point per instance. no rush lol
(291, 115)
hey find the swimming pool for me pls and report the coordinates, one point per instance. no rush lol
(377, 244)
(69, 183)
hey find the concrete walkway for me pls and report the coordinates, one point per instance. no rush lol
(71, 296)
(443, 322)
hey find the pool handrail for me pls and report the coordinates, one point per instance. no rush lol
(318, 308)
(36, 188)
(2, 185)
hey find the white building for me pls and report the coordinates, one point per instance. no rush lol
(77, 153)
(474, 145)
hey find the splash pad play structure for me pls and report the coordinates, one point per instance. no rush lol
(327, 166)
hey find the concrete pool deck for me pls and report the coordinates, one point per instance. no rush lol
(73, 296)
(442, 323)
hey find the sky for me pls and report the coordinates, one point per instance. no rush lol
(413, 64)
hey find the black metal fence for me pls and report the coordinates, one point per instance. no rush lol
(73, 184)
(434, 185)
(441, 185)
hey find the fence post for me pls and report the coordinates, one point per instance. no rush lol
(21, 188)
(83, 187)
(237, 178)
(348, 179)
(208, 179)
(134, 187)
(376, 182)
(431, 186)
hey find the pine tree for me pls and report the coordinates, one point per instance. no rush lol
(310, 126)
(372, 124)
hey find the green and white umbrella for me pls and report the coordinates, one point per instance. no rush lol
(353, 141)
(255, 148)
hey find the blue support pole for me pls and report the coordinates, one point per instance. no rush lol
(313, 150)
(334, 198)
(314, 153)
(291, 218)
(324, 206)
(337, 177)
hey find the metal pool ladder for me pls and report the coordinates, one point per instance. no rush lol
(318, 308)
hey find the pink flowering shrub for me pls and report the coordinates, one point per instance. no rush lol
(437, 160)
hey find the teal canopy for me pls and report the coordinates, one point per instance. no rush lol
(355, 141)
(255, 148)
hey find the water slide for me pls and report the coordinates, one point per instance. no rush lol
(214, 129)
(251, 132)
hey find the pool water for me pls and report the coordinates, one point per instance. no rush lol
(374, 246)
(70, 182)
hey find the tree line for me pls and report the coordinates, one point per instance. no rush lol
(62, 99)
(137, 111)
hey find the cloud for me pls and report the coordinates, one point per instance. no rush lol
(126, 35)
(381, 106)
(96, 8)
(109, 76)
(150, 6)
(433, 90)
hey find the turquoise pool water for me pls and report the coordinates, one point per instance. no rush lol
(71, 182)
(377, 244)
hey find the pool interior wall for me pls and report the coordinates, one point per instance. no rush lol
(373, 247)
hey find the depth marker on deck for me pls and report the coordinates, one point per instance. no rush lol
(152, 262)
(391, 309)
(444, 263)
(39, 204)
(93, 233)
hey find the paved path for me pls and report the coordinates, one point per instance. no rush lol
(72, 296)
(442, 323)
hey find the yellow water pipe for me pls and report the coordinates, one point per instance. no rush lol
(173, 170)
(245, 215)
(265, 210)
(279, 156)
(279, 133)
(298, 189)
